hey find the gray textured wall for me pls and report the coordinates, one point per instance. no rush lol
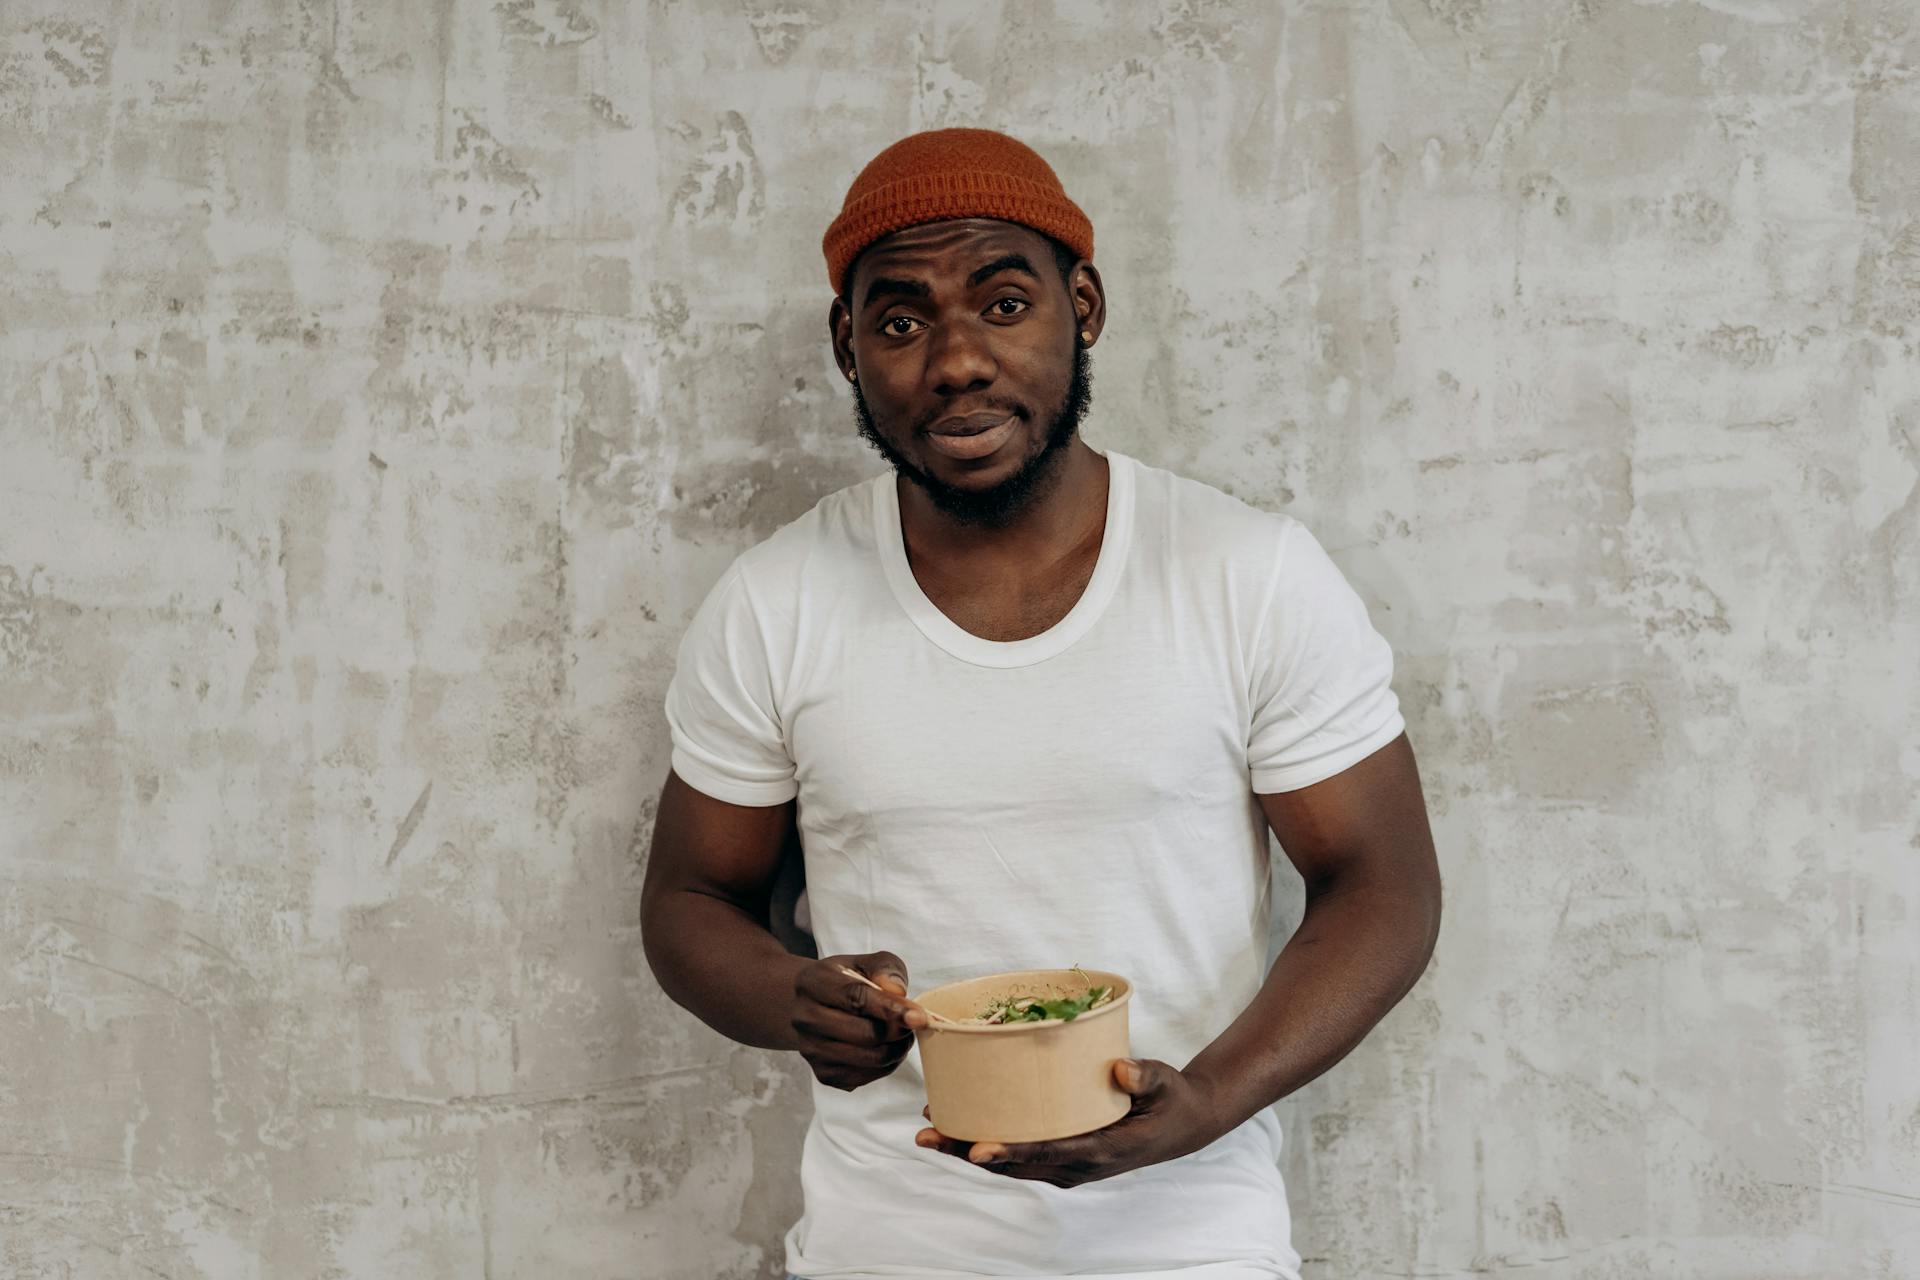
(383, 384)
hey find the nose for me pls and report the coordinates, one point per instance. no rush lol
(961, 360)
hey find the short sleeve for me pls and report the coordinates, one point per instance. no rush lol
(1321, 677)
(727, 739)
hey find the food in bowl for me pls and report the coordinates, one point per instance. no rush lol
(1037, 1009)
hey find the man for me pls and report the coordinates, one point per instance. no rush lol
(1030, 705)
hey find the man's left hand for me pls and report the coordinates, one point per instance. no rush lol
(1171, 1117)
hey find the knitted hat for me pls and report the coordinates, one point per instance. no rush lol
(952, 173)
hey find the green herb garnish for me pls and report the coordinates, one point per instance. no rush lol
(1035, 1009)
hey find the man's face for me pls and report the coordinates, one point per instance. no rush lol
(972, 376)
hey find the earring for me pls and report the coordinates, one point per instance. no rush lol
(853, 375)
(1086, 335)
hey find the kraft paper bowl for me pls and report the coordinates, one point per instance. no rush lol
(1024, 1081)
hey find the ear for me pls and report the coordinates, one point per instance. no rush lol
(1089, 296)
(840, 335)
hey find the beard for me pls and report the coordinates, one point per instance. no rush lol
(998, 505)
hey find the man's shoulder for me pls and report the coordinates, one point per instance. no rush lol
(835, 530)
(1203, 520)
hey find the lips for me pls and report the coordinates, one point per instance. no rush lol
(973, 438)
(971, 424)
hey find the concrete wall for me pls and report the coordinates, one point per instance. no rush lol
(381, 386)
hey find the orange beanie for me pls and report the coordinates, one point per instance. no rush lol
(952, 173)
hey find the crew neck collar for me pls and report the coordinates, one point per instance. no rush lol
(1115, 541)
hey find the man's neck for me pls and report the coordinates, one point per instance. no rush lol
(1067, 507)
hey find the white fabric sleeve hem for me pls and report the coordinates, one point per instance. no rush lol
(1293, 777)
(756, 795)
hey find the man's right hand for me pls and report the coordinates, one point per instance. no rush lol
(849, 1033)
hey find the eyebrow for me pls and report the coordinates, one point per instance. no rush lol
(1006, 262)
(884, 286)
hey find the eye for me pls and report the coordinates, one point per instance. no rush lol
(1001, 305)
(888, 326)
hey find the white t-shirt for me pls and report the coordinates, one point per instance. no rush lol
(1085, 796)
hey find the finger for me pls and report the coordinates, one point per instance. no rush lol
(826, 1023)
(1054, 1174)
(934, 1140)
(865, 1057)
(1038, 1160)
(1083, 1151)
(824, 985)
(903, 1015)
(1064, 1164)
(862, 1046)
(898, 1017)
(1143, 1077)
(887, 969)
(1060, 1175)
(1065, 1151)
(883, 966)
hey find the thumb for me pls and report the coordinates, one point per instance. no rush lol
(887, 969)
(1141, 1077)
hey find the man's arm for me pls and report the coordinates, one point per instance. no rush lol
(1361, 842)
(703, 914)
(704, 925)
